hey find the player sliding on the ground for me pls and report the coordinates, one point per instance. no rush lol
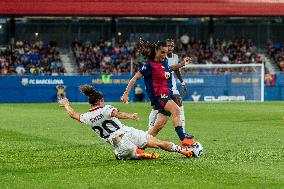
(104, 120)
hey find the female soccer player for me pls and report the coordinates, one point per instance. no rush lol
(104, 120)
(158, 81)
(173, 63)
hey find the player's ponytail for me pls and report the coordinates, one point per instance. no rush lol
(145, 47)
(88, 90)
(93, 95)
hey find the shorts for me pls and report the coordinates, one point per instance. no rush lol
(175, 91)
(160, 102)
(131, 139)
(174, 88)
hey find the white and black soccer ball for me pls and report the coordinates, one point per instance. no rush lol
(197, 149)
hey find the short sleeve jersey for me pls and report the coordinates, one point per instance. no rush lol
(173, 61)
(157, 78)
(101, 121)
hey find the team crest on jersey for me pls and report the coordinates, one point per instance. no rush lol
(164, 96)
(167, 75)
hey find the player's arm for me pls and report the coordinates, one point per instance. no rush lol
(186, 60)
(131, 83)
(123, 115)
(65, 103)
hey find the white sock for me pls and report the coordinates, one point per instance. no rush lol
(176, 148)
(152, 118)
(182, 118)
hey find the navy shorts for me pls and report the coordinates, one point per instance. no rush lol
(160, 102)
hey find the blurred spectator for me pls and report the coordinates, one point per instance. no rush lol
(184, 40)
(276, 53)
(20, 70)
(269, 80)
(139, 93)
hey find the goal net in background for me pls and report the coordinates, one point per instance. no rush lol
(224, 82)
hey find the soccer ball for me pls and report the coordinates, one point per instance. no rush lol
(197, 149)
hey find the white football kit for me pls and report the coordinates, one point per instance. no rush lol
(108, 127)
(173, 61)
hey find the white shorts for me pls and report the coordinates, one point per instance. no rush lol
(132, 139)
(174, 88)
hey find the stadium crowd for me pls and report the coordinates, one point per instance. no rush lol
(31, 58)
(38, 58)
(276, 52)
(236, 51)
(102, 57)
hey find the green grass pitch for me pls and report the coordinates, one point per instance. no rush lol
(41, 147)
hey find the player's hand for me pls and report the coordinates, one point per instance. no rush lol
(124, 98)
(187, 60)
(184, 88)
(63, 102)
(135, 116)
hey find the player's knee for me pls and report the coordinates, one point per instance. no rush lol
(176, 111)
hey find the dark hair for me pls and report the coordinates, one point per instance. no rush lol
(148, 48)
(170, 40)
(93, 95)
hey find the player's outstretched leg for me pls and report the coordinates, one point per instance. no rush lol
(126, 149)
(141, 154)
(169, 146)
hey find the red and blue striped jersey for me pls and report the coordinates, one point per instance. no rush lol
(157, 78)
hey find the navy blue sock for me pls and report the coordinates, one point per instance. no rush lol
(180, 133)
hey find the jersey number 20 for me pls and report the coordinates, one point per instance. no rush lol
(105, 128)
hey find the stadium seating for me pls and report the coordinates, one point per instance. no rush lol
(37, 58)
(31, 58)
(225, 51)
(276, 53)
(103, 58)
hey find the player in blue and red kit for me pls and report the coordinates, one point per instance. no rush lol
(158, 81)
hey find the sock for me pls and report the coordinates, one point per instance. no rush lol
(182, 118)
(152, 118)
(139, 151)
(180, 132)
(177, 148)
(136, 153)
